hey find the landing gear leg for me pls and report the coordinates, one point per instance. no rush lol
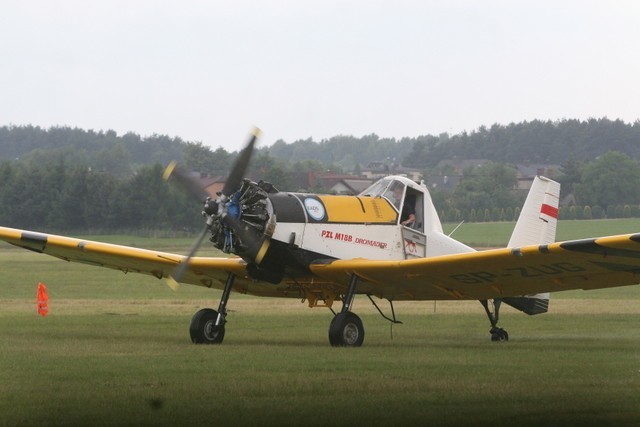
(346, 328)
(207, 325)
(497, 334)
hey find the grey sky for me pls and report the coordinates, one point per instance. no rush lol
(209, 70)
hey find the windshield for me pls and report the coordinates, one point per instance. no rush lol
(390, 189)
(376, 189)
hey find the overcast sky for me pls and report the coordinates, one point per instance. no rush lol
(209, 70)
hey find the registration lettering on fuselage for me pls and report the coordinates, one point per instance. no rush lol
(345, 237)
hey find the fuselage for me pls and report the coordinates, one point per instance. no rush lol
(307, 228)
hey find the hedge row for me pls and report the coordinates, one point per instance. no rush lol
(567, 213)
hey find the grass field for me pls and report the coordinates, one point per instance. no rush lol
(491, 234)
(115, 350)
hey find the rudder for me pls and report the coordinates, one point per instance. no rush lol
(539, 216)
(536, 226)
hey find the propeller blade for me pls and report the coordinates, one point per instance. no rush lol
(256, 249)
(238, 227)
(178, 274)
(240, 166)
(172, 284)
(187, 180)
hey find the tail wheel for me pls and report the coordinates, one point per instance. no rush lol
(203, 327)
(499, 334)
(346, 330)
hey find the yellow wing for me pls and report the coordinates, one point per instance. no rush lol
(580, 264)
(209, 272)
(202, 271)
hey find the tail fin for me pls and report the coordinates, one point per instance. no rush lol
(536, 225)
(539, 215)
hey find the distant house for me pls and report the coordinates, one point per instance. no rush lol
(378, 169)
(212, 184)
(458, 166)
(446, 183)
(342, 184)
(526, 172)
(375, 170)
(448, 173)
(351, 186)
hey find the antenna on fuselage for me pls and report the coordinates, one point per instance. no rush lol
(454, 230)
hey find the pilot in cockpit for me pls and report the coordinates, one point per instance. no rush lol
(408, 214)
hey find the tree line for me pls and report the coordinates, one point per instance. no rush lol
(102, 150)
(69, 178)
(551, 142)
(71, 197)
(68, 197)
(606, 187)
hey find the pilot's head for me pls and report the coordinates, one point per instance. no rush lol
(397, 192)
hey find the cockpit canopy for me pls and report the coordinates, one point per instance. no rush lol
(391, 189)
(407, 197)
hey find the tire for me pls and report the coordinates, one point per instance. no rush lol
(346, 330)
(499, 334)
(203, 328)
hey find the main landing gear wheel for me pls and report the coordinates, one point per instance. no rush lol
(346, 330)
(499, 334)
(203, 327)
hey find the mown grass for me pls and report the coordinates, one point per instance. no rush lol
(115, 350)
(494, 234)
(277, 369)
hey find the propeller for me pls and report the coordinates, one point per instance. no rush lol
(187, 180)
(178, 273)
(240, 166)
(215, 208)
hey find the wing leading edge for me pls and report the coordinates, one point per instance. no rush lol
(209, 272)
(579, 264)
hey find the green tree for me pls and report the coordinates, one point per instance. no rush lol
(618, 211)
(597, 212)
(613, 178)
(472, 215)
(68, 209)
(7, 184)
(115, 160)
(279, 177)
(200, 158)
(486, 187)
(570, 175)
(509, 214)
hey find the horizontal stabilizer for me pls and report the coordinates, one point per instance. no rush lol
(529, 304)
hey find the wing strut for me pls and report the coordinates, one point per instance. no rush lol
(497, 334)
(393, 312)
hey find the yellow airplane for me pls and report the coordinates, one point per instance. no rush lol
(386, 242)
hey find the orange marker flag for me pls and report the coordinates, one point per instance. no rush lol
(42, 300)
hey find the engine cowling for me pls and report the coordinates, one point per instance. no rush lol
(251, 206)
